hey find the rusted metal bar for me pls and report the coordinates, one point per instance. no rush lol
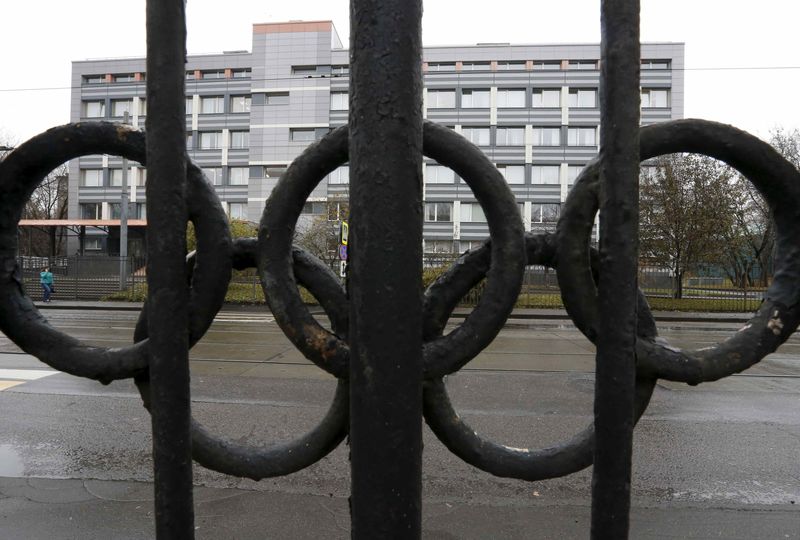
(619, 248)
(385, 267)
(166, 276)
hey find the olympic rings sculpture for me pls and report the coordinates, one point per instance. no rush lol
(501, 260)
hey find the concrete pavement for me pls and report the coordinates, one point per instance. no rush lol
(98, 510)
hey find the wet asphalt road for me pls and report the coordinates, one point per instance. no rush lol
(733, 444)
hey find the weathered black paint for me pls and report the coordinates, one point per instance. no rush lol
(385, 257)
(615, 378)
(168, 294)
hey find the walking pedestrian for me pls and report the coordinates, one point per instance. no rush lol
(46, 279)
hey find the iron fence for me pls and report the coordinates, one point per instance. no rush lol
(386, 344)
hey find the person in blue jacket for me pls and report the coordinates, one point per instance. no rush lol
(46, 279)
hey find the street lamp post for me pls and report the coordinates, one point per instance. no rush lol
(123, 222)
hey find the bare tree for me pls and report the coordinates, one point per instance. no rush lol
(48, 201)
(686, 213)
(321, 237)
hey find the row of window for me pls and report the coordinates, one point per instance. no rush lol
(514, 174)
(473, 212)
(540, 136)
(537, 65)
(541, 98)
(504, 65)
(94, 177)
(208, 105)
(243, 73)
(95, 210)
(212, 140)
(236, 210)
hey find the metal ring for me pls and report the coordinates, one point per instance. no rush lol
(501, 460)
(443, 354)
(20, 173)
(258, 462)
(779, 315)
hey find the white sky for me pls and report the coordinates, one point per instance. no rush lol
(40, 38)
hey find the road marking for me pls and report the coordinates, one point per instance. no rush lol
(10, 378)
(26, 374)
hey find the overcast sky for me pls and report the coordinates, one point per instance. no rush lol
(39, 39)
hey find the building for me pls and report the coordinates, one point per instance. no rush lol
(533, 110)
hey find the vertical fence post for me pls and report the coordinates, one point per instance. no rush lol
(619, 223)
(77, 278)
(167, 292)
(385, 267)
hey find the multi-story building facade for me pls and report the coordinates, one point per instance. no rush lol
(532, 109)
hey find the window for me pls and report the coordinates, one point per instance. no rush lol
(510, 136)
(544, 174)
(655, 64)
(439, 211)
(212, 105)
(124, 77)
(546, 98)
(582, 64)
(189, 104)
(121, 106)
(472, 213)
(240, 139)
(135, 211)
(276, 98)
(115, 177)
(514, 174)
(572, 173)
(90, 210)
(339, 101)
(441, 66)
(655, 98)
(441, 99)
(237, 210)
(190, 76)
(272, 171)
(306, 71)
(213, 74)
(239, 176)
(475, 99)
(510, 66)
(547, 66)
(480, 136)
(439, 174)
(210, 140)
(316, 208)
(340, 175)
(508, 98)
(92, 177)
(340, 70)
(241, 73)
(338, 210)
(439, 246)
(94, 109)
(94, 79)
(547, 136)
(583, 98)
(189, 141)
(582, 136)
(476, 66)
(142, 180)
(240, 104)
(142, 107)
(545, 212)
(214, 174)
(302, 134)
(91, 243)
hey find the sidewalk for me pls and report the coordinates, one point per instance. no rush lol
(521, 314)
(56, 509)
